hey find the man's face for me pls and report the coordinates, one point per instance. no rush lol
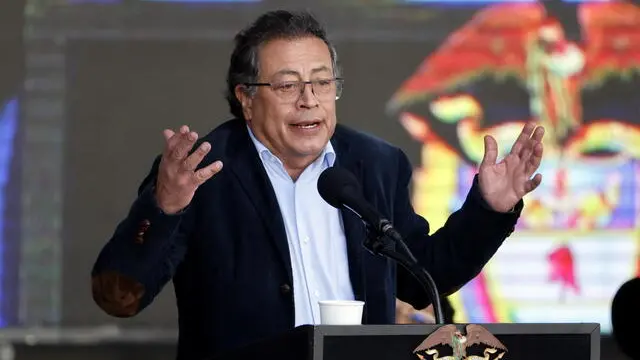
(294, 124)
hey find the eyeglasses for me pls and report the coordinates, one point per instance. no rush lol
(323, 89)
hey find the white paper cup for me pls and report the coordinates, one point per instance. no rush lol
(341, 312)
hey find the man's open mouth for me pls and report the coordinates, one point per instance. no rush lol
(307, 124)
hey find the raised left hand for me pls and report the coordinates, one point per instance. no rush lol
(505, 183)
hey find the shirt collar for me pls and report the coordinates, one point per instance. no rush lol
(328, 153)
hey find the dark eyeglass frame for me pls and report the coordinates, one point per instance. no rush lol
(337, 80)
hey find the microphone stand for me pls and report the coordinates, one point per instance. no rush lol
(380, 244)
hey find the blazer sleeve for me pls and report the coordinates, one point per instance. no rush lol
(455, 253)
(142, 254)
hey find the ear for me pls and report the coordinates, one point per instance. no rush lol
(242, 94)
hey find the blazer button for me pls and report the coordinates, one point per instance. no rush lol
(142, 229)
(285, 289)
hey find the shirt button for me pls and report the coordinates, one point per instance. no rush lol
(317, 293)
(305, 240)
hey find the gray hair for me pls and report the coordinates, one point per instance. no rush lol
(280, 24)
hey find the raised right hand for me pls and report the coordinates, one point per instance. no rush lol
(177, 176)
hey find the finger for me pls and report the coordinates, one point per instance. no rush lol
(538, 134)
(535, 139)
(524, 158)
(526, 148)
(183, 131)
(207, 172)
(490, 151)
(191, 162)
(184, 145)
(171, 138)
(532, 184)
(520, 167)
(522, 139)
(168, 134)
(171, 143)
(534, 161)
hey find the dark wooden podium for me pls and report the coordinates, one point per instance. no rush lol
(580, 341)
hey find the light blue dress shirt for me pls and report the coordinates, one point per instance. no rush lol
(317, 243)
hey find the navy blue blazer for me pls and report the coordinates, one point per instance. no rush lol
(228, 257)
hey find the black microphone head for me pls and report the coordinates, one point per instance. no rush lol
(334, 183)
(625, 317)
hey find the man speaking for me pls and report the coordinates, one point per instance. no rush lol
(235, 219)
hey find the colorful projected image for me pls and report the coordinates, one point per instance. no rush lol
(451, 2)
(578, 238)
(484, 2)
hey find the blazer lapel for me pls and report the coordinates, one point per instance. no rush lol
(353, 227)
(247, 167)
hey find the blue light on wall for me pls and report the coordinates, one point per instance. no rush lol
(8, 130)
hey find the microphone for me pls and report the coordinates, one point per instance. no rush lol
(340, 189)
(625, 317)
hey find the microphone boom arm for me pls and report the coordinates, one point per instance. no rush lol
(378, 243)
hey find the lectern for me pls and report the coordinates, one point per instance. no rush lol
(579, 341)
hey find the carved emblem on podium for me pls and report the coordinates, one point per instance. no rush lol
(448, 339)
